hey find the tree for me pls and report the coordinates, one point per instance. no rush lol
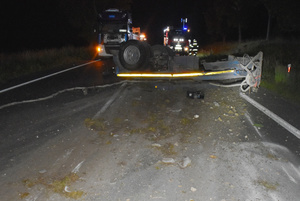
(286, 14)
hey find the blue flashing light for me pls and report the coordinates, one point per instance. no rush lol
(111, 16)
(185, 28)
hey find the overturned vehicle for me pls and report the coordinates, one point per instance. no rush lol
(137, 59)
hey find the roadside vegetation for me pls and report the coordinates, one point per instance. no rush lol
(278, 54)
(17, 65)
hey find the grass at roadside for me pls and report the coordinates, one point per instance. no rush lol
(277, 55)
(18, 65)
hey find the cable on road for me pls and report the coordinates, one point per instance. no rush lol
(84, 90)
(225, 85)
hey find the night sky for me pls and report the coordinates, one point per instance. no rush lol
(39, 24)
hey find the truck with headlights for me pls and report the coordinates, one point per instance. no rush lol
(176, 40)
(115, 27)
(118, 40)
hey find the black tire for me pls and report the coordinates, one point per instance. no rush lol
(134, 55)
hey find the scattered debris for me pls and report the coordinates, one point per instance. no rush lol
(185, 121)
(193, 189)
(61, 186)
(168, 149)
(168, 160)
(23, 195)
(156, 145)
(196, 116)
(186, 161)
(268, 185)
(42, 171)
(213, 156)
(216, 104)
(195, 94)
(179, 110)
(76, 169)
(95, 124)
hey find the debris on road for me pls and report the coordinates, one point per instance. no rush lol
(216, 104)
(186, 161)
(193, 189)
(195, 94)
(156, 145)
(168, 160)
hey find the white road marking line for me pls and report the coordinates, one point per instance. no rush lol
(273, 116)
(110, 101)
(50, 75)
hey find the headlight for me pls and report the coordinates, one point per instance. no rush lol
(175, 39)
(181, 39)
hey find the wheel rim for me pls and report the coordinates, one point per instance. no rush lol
(131, 55)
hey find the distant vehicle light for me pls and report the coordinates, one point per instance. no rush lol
(175, 39)
(167, 29)
(143, 37)
(181, 39)
(123, 30)
(178, 48)
(186, 49)
(99, 49)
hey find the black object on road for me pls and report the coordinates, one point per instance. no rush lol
(195, 94)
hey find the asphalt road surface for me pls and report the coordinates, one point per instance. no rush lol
(100, 138)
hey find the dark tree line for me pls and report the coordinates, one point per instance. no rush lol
(36, 24)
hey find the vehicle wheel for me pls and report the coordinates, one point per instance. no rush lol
(134, 55)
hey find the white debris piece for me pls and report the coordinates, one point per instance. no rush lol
(168, 160)
(186, 161)
(42, 171)
(67, 189)
(156, 145)
(216, 104)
